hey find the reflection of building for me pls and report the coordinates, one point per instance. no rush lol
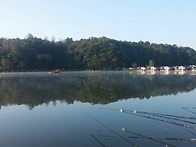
(165, 72)
(151, 72)
(141, 72)
(180, 72)
(193, 72)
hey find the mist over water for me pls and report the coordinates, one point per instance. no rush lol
(93, 87)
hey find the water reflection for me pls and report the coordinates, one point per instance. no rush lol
(93, 87)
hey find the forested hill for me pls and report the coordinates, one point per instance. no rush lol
(34, 53)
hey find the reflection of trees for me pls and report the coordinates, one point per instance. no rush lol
(90, 87)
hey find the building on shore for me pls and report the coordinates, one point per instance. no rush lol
(193, 67)
(144, 68)
(154, 68)
(180, 68)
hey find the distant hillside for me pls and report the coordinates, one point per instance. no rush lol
(34, 53)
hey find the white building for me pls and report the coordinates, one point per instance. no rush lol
(154, 68)
(193, 67)
(167, 68)
(182, 68)
(143, 68)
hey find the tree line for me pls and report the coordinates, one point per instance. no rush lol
(38, 54)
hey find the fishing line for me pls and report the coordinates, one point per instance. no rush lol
(172, 116)
(186, 129)
(110, 129)
(159, 138)
(162, 116)
(188, 109)
(135, 113)
(142, 136)
(97, 140)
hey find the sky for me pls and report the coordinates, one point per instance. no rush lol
(156, 21)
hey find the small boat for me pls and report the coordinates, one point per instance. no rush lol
(57, 71)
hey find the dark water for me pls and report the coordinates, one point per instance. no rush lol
(83, 109)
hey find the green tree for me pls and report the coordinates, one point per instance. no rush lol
(94, 63)
(151, 63)
(6, 64)
(134, 65)
(92, 53)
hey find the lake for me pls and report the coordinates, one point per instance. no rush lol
(109, 108)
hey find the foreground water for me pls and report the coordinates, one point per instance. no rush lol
(97, 109)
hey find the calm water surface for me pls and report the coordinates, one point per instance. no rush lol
(83, 109)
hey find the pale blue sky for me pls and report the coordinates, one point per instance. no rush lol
(157, 21)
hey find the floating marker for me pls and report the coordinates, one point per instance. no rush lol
(123, 129)
(121, 110)
(135, 111)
